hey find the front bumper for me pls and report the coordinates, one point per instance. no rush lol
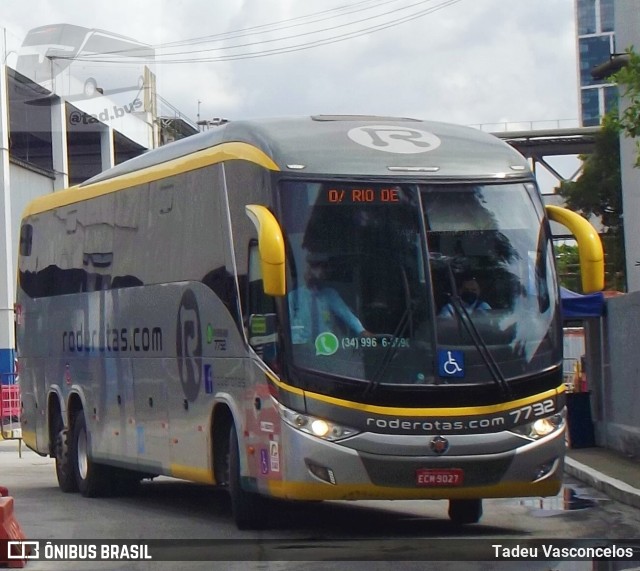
(370, 466)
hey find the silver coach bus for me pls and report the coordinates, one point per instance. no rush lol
(307, 309)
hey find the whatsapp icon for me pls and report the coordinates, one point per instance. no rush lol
(326, 344)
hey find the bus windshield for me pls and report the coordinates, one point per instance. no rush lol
(394, 283)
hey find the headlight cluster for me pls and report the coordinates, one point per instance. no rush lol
(542, 426)
(314, 425)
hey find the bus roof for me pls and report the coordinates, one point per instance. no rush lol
(344, 146)
(321, 145)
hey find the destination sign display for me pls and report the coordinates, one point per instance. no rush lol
(361, 195)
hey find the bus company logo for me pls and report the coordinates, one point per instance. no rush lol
(394, 139)
(189, 345)
(439, 445)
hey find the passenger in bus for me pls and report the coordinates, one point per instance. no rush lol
(316, 308)
(470, 298)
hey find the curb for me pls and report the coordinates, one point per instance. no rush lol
(616, 489)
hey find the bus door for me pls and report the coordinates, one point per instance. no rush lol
(262, 332)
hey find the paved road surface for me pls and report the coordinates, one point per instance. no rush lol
(170, 509)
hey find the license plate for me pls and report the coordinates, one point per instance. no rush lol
(438, 477)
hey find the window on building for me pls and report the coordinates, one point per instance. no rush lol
(594, 51)
(590, 105)
(586, 17)
(610, 98)
(606, 15)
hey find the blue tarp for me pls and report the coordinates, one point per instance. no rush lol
(577, 306)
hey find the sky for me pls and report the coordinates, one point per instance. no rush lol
(473, 62)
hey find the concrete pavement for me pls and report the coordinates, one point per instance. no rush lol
(608, 471)
(603, 469)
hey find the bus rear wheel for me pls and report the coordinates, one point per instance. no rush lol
(64, 467)
(463, 512)
(249, 509)
(93, 479)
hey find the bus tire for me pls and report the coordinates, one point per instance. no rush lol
(462, 512)
(249, 509)
(64, 468)
(93, 479)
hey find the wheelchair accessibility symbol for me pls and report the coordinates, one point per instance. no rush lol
(451, 364)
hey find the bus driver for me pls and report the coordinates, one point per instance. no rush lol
(470, 298)
(314, 307)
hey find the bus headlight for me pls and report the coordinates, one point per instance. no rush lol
(315, 426)
(542, 426)
(320, 428)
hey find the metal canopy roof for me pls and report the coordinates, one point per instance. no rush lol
(540, 143)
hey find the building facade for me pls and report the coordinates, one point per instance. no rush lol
(62, 124)
(627, 29)
(595, 27)
(605, 28)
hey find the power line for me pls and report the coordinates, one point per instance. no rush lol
(295, 47)
(264, 27)
(317, 43)
(243, 32)
(329, 29)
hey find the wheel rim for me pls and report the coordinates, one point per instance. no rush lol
(82, 454)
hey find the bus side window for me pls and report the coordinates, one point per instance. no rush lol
(261, 316)
(26, 239)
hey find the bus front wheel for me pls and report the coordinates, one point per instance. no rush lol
(463, 512)
(93, 479)
(249, 509)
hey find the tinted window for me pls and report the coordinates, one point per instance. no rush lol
(610, 98)
(166, 231)
(26, 235)
(586, 17)
(590, 102)
(606, 15)
(593, 51)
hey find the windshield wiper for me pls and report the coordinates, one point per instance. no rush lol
(480, 344)
(406, 321)
(390, 353)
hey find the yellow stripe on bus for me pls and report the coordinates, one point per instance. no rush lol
(192, 161)
(192, 474)
(412, 412)
(319, 491)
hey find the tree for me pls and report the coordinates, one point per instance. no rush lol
(568, 264)
(598, 189)
(628, 81)
(598, 192)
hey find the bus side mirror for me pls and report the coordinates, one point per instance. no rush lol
(271, 248)
(589, 246)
